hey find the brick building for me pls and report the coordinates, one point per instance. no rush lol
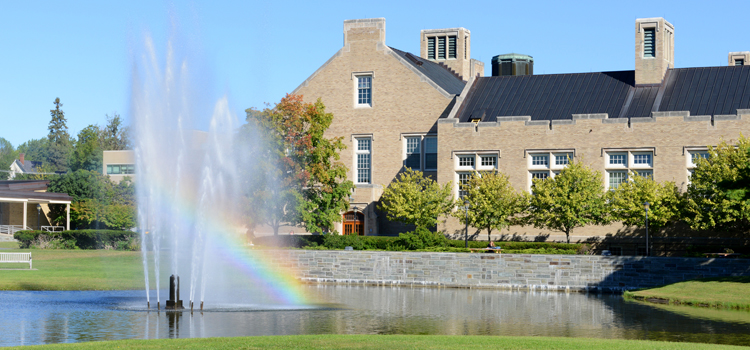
(438, 113)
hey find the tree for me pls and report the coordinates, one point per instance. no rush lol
(718, 196)
(97, 201)
(493, 203)
(627, 202)
(87, 150)
(574, 198)
(114, 136)
(59, 139)
(36, 150)
(415, 199)
(7, 155)
(298, 178)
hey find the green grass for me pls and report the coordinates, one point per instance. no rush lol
(75, 270)
(391, 342)
(11, 245)
(722, 292)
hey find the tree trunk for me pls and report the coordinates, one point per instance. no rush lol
(489, 231)
(567, 235)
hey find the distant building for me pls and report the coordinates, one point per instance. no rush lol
(118, 165)
(22, 166)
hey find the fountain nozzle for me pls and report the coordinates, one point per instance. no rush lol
(174, 302)
(201, 306)
(148, 304)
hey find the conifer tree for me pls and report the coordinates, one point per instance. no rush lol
(59, 139)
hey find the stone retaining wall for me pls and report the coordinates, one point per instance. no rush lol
(502, 271)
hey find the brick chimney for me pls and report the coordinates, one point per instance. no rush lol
(654, 50)
(20, 157)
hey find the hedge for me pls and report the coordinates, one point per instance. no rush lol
(83, 239)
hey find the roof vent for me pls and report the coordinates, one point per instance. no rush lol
(512, 64)
(413, 59)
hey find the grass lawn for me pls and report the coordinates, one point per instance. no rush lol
(74, 270)
(726, 292)
(391, 342)
(11, 245)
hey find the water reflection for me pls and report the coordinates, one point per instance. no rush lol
(60, 317)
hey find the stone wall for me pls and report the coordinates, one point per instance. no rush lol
(502, 271)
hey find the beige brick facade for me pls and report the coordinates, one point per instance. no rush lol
(650, 70)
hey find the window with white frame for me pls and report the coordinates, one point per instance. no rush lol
(463, 181)
(693, 156)
(544, 164)
(364, 90)
(618, 163)
(420, 152)
(363, 160)
(413, 153)
(488, 161)
(466, 161)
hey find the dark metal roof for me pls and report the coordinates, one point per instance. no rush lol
(27, 166)
(437, 73)
(23, 185)
(702, 91)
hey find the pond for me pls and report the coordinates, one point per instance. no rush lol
(60, 317)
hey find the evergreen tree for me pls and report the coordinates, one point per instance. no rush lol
(59, 139)
(115, 136)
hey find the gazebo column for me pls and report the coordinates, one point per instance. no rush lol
(25, 207)
(67, 213)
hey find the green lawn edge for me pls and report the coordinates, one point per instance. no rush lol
(716, 292)
(391, 342)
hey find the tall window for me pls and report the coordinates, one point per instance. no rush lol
(693, 158)
(413, 153)
(363, 160)
(463, 181)
(616, 178)
(364, 90)
(649, 42)
(430, 153)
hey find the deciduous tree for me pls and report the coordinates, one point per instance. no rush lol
(574, 198)
(87, 150)
(7, 155)
(415, 199)
(718, 195)
(627, 202)
(493, 203)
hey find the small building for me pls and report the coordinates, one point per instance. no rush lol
(118, 165)
(22, 166)
(25, 205)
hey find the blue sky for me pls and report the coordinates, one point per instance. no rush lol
(255, 52)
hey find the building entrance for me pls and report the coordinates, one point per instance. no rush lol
(354, 223)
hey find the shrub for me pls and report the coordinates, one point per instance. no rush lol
(422, 238)
(83, 239)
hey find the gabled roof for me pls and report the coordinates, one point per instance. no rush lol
(702, 91)
(439, 74)
(27, 166)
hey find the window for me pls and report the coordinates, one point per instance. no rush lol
(739, 62)
(442, 47)
(617, 159)
(364, 90)
(540, 160)
(430, 153)
(619, 163)
(489, 161)
(616, 178)
(649, 42)
(541, 175)
(562, 158)
(466, 161)
(120, 169)
(420, 152)
(642, 159)
(693, 158)
(463, 181)
(363, 160)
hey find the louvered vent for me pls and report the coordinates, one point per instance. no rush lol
(441, 48)
(649, 42)
(431, 48)
(451, 47)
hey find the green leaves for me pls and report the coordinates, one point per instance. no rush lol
(493, 203)
(574, 198)
(627, 202)
(717, 196)
(415, 199)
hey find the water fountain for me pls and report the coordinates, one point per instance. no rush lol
(189, 191)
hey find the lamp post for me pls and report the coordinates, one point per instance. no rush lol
(466, 233)
(38, 214)
(647, 250)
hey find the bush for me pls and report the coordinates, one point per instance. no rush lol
(83, 239)
(422, 238)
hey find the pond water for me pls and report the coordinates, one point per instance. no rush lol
(60, 317)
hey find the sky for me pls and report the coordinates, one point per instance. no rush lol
(254, 52)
